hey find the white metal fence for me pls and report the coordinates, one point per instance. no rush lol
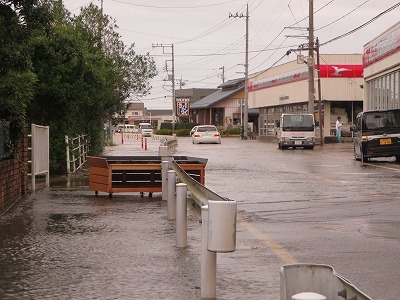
(39, 153)
(76, 150)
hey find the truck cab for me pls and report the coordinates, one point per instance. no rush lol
(296, 130)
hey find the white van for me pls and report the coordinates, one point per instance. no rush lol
(145, 129)
(127, 128)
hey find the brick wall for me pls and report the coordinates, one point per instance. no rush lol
(13, 174)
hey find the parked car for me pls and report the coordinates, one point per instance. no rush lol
(206, 134)
(377, 134)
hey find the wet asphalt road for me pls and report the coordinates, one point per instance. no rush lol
(294, 206)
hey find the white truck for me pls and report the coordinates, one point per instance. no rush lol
(145, 129)
(296, 130)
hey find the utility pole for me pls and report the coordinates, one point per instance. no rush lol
(172, 78)
(246, 74)
(316, 49)
(319, 94)
(223, 74)
(181, 83)
(310, 61)
(173, 88)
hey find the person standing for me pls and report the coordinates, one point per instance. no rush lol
(339, 129)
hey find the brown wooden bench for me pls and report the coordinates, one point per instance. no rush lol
(119, 174)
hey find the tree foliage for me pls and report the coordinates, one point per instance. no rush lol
(17, 79)
(71, 73)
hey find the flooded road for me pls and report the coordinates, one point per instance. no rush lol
(310, 206)
(294, 206)
(64, 244)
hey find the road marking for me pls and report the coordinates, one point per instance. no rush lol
(357, 173)
(380, 195)
(383, 167)
(326, 179)
(329, 166)
(272, 245)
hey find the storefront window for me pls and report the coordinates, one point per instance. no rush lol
(383, 92)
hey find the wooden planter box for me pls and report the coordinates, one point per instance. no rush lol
(126, 174)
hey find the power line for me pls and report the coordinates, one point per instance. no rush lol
(274, 64)
(342, 16)
(210, 31)
(174, 7)
(363, 25)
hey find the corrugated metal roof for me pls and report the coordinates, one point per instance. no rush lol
(159, 112)
(214, 98)
(232, 83)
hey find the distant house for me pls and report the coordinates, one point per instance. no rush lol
(153, 116)
(223, 107)
(135, 110)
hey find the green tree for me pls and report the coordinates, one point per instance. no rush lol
(72, 73)
(83, 78)
(17, 79)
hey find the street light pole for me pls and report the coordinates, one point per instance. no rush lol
(246, 74)
(173, 89)
(246, 79)
(172, 78)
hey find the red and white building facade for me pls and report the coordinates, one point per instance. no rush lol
(284, 89)
(381, 61)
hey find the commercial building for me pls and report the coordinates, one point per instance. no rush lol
(381, 61)
(284, 89)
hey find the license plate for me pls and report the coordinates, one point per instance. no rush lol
(298, 142)
(385, 141)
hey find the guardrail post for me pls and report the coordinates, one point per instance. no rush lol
(164, 182)
(208, 261)
(163, 150)
(171, 202)
(181, 215)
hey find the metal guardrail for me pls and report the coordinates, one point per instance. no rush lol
(317, 278)
(170, 142)
(217, 215)
(198, 195)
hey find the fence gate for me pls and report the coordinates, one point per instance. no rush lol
(77, 150)
(39, 153)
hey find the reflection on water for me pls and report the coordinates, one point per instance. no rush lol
(66, 243)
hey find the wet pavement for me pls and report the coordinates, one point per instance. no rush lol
(66, 243)
(63, 242)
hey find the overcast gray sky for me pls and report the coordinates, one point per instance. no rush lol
(206, 39)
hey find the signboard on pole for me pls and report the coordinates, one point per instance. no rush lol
(182, 107)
